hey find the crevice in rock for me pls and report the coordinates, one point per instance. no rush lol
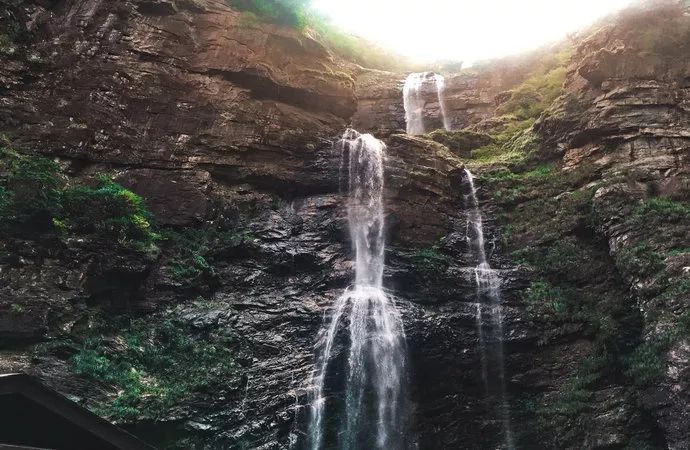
(266, 89)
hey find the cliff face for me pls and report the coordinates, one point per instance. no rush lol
(225, 128)
(625, 115)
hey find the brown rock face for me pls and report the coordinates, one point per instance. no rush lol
(625, 114)
(178, 199)
(110, 72)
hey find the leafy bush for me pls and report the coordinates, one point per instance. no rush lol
(356, 49)
(34, 198)
(540, 172)
(109, 210)
(646, 364)
(156, 365)
(190, 249)
(30, 190)
(513, 143)
(543, 299)
(660, 210)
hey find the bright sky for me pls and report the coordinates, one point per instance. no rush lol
(464, 30)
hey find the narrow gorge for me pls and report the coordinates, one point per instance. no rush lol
(219, 232)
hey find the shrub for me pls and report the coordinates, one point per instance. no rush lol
(30, 189)
(298, 14)
(190, 249)
(354, 48)
(156, 365)
(109, 210)
(512, 144)
(34, 198)
(541, 172)
(646, 364)
(543, 299)
(657, 210)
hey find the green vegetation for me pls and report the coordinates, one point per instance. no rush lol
(6, 45)
(543, 299)
(155, 365)
(31, 187)
(429, 259)
(541, 172)
(646, 364)
(108, 210)
(512, 144)
(35, 198)
(657, 210)
(511, 140)
(190, 249)
(678, 251)
(575, 398)
(461, 142)
(356, 49)
(539, 90)
(292, 13)
(640, 260)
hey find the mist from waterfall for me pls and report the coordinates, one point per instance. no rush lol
(373, 413)
(414, 100)
(489, 318)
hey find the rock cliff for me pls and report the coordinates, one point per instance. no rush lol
(224, 127)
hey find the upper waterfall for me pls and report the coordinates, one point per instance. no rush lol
(417, 90)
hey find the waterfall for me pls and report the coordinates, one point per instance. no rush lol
(373, 413)
(414, 100)
(489, 317)
(441, 93)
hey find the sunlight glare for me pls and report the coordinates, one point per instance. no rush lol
(464, 30)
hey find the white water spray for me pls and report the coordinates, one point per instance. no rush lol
(415, 99)
(373, 414)
(489, 315)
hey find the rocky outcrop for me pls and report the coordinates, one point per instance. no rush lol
(624, 112)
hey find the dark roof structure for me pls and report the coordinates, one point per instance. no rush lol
(33, 416)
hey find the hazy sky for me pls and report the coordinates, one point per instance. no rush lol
(465, 30)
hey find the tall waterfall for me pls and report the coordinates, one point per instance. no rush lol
(373, 413)
(414, 100)
(489, 315)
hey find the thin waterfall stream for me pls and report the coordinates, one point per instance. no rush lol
(373, 412)
(489, 316)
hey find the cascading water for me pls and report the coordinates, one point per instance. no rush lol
(373, 413)
(414, 100)
(489, 314)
